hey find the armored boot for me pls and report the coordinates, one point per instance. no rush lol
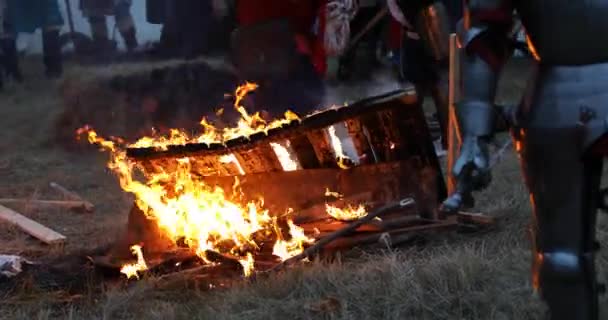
(51, 49)
(10, 59)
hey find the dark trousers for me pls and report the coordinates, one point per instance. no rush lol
(347, 61)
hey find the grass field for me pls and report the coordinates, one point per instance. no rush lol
(484, 276)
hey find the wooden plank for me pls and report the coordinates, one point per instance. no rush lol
(322, 147)
(454, 138)
(304, 152)
(32, 227)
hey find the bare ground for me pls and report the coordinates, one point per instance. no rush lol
(450, 277)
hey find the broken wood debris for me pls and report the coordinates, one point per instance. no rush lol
(71, 195)
(70, 205)
(32, 227)
(321, 243)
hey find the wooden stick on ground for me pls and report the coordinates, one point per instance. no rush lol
(70, 195)
(344, 231)
(71, 205)
(32, 227)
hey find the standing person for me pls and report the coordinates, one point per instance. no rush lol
(366, 11)
(187, 26)
(275, 46)
(425, 51)
(559, 129)
(2, 14)
(96, 12)
(27, 16)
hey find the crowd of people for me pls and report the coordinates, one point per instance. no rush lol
(283, 45)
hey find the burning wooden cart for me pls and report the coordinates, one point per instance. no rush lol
(320, 173)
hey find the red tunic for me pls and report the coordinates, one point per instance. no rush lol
(302, 15)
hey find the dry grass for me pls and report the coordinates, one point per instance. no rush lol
(450, 277)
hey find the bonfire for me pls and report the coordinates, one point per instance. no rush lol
(204, 217)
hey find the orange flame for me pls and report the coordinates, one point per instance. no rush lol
(245, 127)
(187, 209)
(344, 214)
(349, 213)
(131, 270)
(336, 145)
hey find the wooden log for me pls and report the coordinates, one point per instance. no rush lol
(70, 205)
(32, 227)
(345, 231)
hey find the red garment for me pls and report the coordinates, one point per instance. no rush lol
(302, 15)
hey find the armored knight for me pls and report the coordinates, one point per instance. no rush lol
(559, 131)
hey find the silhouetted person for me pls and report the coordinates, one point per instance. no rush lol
(96, 12)
(27, 16)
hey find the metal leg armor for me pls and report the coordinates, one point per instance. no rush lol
(564, 190)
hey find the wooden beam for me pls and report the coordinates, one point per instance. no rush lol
(32, 227)
(454, 138)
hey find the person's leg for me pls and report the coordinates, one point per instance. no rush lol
(51, 49)
(9, 58)
(125, 24)
(564, 191)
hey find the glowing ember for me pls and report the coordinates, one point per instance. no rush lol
(346, 214)
(286, 158)
(131, 270)
(336, 145)
(188, 210)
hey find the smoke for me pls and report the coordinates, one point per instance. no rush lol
(32, 43)
(383, 81)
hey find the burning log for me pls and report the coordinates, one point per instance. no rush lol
(79, 206)
(344, 231)
(32, 227)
